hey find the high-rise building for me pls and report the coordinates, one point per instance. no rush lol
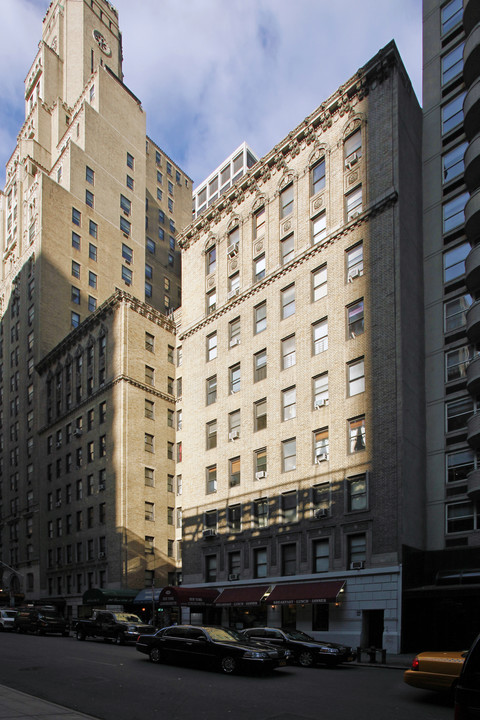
(303, 401)
(441, 577)
(90, 269)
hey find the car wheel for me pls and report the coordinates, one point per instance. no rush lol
(305, 659)
(155, 655)
(228, 664)
(80, 635)
(120, 639)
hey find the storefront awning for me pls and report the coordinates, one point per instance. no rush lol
(98, 596)
(179, 595)
(300, 593)
(145, 596)
(241, 596)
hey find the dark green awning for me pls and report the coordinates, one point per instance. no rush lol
(98, 596)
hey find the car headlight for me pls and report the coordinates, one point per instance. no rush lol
(255, 654)
(332, 651)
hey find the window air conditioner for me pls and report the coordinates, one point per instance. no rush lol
(58, 503)
(232, 250)
(261, 474)
(319, 403)
(78, 432)
(234, 576)
(234, 435)
(234, 341)
(321, 457)
(101, 555)
(101, 486)
(209, 533)
(321, 513)
(354, 272)
(358, 565)
(351, 160)
(59, 444)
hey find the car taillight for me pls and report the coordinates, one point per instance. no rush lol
(415, 664)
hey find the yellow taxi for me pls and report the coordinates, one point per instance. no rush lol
(436, 671)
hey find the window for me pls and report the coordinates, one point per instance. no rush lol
(320, 336)
(289, 558)
(452, 162)
(459, 465)
(234, 518)
(289, 403)
(92, 252)
(161, 216)
(455, 312)
(288, 301)
(460, 517)
(92, 303)
(260, 365)
(357, 493)
(457, 414)
(452, 14)
(260, 512)
(454, 212)
(234, 284)
(149, 440)
(212, 481)
(211, 434)
(321, 499)
(125, 226)
(286, 201)
(234, 425)
(354, 203)
(150, 511)
(454, 262)
(211, 346)
(127, 275)
(355, 319)
(260, 458)
(353, 148)
(356, 434)
(210, 568)
(260, 318)
(75, 240)
(356, 377)
(452, 64)
(149, 342)
(317, 174)
(320, 445)
(319, 228)
(452, 114)
(289, 454)
(170, 450)
(319, 283)
(75, 295)
(234, 332)
(211, 260)
(92, 280)
(234, 563)
(234, 471)
(150, 410)
(456, 363)
(76, 216)
(150, 246)
(130, 161)
(260, 562)
(75, 319)
(259, 224)
(150, 477)
(356, 548)
(93, 229)
(355, 262)
(234, 378)
(89, 175)
(75, 269)
(127, 253)
(129, 182)
(288, 352)
(211, 390)
(149, 375)
(211, 301)
(287, 249)
(320, 556)
(260, 414)
(89, 198)
(259, 268)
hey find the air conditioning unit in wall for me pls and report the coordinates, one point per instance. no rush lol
(358, 565)
(234, 576)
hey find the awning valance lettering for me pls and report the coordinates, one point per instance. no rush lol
(303, 593)
(173, 595)
(241, 596)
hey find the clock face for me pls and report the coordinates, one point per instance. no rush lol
(102, 43)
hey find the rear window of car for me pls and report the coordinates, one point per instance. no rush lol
(177, 632)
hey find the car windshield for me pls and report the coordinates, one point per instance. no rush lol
(127, 617)
(223, 634)
(297, 635)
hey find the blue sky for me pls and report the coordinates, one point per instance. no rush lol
(212, 73)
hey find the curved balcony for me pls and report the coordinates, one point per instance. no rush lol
(471, 111)
(473, 376)
(473, 322)
(472, 269)
(471, 57)
(471, 15)
(472, 164)
(473, 484)
(472, 217)
(473, 431)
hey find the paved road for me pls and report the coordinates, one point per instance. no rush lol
(117, 683)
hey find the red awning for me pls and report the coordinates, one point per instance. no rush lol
(299, 593)
(173, 595)
(241, 596)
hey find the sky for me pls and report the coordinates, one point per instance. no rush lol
(213, 73)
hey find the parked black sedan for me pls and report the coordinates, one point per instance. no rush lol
(305, 650)
(217, 647)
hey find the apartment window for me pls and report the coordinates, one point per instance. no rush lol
(287, 249)
(452, 14)
(317, 174)
(234, 332)
(288, 558)
(76, 240)
(459, 465)
(320, 556)
(89, 198)
(75, 296)
(89, 175)
(149, 440)
(234, 378)
(352, 148)
(354, 203)
(452, 114)
(127, 253)
(319, 228)
(454, 262)
(211, 473)
(456, 363)
(149, 342)
(149, 375)
(319, 283)
(289, 403)
(355, 319)
(149, 545)
(92, 280)
(259, 268)
(170, 483)
(92, 303)
(260, 318)
(179, 419)
(76, 217)
(354, 258)
(211, 434)
(75, 319)
(234, 425)
(289, 454)
(453, 163)
(211, 346)
(259, 223)
(151, 246)
(234, 284)
(457, 414)
(455, 311)
(170, 450)
(234, 471)
(234, 518)
(260, 365)
(150, 477)
(356, 434)
(127, 275)
(210, 568)
(161, 216)
(234, 563)
(288, 301)
(148, 289)
(260, 563)
(260, 414)
(211, 301)
(260, 512)
(129, 182)
(320, 445)
(93, 229)
(150, 410)
(125, 226)
(356, 548)
(460, 517)
(75, 269)
(452, 64)
(170, 385)
(130, 161)
(211, 390)
(320, 336)
(169, 515)
(150, 511)
(356, 377)
(286, 201)
(454, 212)
(211, 260)
(321, 499)
(260, 462)
(288, 352)
(92, 252)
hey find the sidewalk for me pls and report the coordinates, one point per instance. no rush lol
(15, 705)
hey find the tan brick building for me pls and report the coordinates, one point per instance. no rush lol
(91, 205)
(302, 344)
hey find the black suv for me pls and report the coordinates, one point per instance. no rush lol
(467, 693)
(40, 620)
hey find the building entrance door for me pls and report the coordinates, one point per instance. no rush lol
(372, 628)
